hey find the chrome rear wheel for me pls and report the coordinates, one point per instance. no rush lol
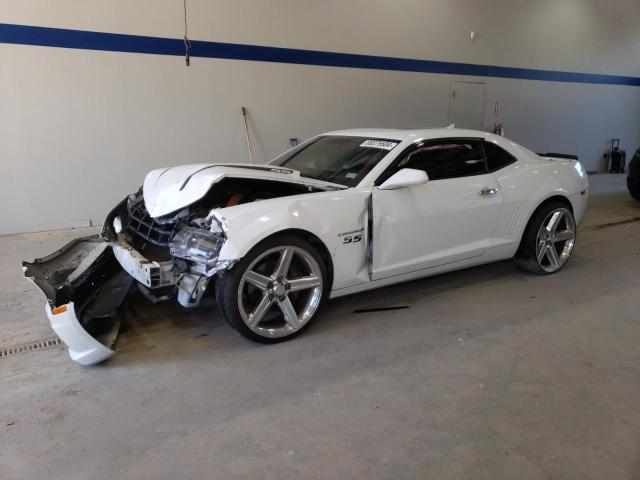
(548, 240)
(555, 240)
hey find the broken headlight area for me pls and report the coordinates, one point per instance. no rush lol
(190, 238)
(179, 249)
(196, 244)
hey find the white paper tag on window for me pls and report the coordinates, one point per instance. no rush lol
(382, 144)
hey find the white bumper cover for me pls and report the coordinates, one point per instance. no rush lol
(83, 348)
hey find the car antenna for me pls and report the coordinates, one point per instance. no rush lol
(246, 131)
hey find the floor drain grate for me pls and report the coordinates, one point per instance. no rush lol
(30, 347)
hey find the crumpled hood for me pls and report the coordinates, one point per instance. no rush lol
(169, 189)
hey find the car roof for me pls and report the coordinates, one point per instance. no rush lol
(411, 134)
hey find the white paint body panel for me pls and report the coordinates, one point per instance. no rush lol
(422, 230)
(433, 231)
(83, 348)
(325, 215)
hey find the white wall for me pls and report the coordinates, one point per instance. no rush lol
(79, 129)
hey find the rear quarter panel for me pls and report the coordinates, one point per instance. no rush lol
(528, 183)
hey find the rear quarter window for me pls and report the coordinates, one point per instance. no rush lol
(497, 157)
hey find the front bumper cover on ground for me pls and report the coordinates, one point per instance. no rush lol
(84, 285)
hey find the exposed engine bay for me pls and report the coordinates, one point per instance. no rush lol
(183, 244)
(227, 193)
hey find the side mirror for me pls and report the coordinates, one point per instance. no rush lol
(407, 177)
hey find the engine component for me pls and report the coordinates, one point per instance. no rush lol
(191, 288)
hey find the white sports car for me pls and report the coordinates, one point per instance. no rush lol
(343, 212)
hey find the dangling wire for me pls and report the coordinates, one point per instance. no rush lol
(187, 43)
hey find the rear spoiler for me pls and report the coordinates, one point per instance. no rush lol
(559, 155)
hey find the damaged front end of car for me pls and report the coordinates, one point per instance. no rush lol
(86, 281)
(172, 254)
(169, 256)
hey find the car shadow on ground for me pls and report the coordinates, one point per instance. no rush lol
(162, 332)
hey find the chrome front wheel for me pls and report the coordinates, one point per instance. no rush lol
(280, 291)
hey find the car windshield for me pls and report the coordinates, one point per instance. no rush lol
(338, 159)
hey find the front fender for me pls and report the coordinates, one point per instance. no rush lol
(327, 215)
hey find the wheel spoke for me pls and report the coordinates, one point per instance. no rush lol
(304, 283)
(552, 226)
(290, 315)
(283, 264)
(564, 235)
(262, 308)
(552, 255)
(257, 280)
(541, 250)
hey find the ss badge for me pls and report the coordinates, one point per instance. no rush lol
(354, 236)
(351, 239)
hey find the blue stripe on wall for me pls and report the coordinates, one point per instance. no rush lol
(115, 42)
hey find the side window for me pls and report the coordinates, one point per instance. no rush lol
(447, 160)
(497, 157)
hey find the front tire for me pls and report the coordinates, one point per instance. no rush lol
(548, 240)
(275, 291)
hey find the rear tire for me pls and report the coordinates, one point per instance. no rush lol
(633, 177)
(275, 291)
(548, 241)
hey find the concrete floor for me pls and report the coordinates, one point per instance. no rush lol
(492, 373)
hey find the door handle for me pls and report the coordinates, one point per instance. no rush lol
(489, 191)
